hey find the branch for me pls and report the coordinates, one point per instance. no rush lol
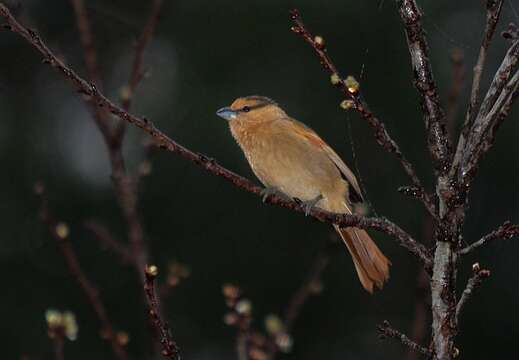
(505, 231)
(137, 72)
(125, 185)
(210, 165)
(357, 103)
(453, 103)
(87, 42)
(493, 13)
(169, 346)
(107, 241)
(499, 97)
(473, 283)
(309, 288)
(60, 232)
(386, 330)
(437, 139)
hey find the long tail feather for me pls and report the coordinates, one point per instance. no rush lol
(371, 265)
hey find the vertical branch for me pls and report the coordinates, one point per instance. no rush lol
(137, 71)
(169, 346)
(458, 76)
(493, 13)
(125, 186)
(59, 344)
(88, 44)
(434, 117)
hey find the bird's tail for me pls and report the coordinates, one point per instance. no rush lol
(371, 265)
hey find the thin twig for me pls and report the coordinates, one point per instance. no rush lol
(493, 13)
(106, 240)
(434, 117)
(505, 231)
(359, 104)
(306, 290)
(458, 76)
(473, 283)
(170, 348)
(90, 54)
(60, 232)
(386, 330)
(379, 224)
(59, 344)
(137, 71)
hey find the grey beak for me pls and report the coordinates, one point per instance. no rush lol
(226, 113)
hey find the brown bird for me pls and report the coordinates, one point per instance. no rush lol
(290, 158)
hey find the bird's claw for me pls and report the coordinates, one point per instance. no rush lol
(309, 204)
(268, 191)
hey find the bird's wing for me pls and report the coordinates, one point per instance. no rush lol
(312, 137)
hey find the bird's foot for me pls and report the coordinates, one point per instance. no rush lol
(268, 191)
(309, 204)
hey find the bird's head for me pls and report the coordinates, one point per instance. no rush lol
(252, 109)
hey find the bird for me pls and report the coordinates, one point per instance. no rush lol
(291, 160)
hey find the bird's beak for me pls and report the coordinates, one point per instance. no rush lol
(226, 113)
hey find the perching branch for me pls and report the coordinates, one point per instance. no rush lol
(473, 283)
(386, 330)
(434, 117)
(359, 104)
(210, 165)
(170, 348)
(505, 231)
(60, 232)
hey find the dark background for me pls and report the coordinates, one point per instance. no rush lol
(205, 54)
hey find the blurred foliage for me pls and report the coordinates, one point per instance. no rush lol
(205, 54)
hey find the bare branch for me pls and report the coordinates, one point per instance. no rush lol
(87, 41)
(437, 139)
(505, 231)
(107, 241)
(453, 103)
(493, 110)
(473, 283)
(379, 224)
(493, 13)
(309, 288)
(137, 72)
(60, 232)
(353, 94)
(386, 330)
(170, 348)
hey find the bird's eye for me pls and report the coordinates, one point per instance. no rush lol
(245, 109)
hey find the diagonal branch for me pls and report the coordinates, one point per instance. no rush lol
(359, 104)
(505, 231)
(493, 110)
(210, 165)
(493, 13)
(386, 330)
(60, 232)
(437, 139)
(473, 283)
(106, 240)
